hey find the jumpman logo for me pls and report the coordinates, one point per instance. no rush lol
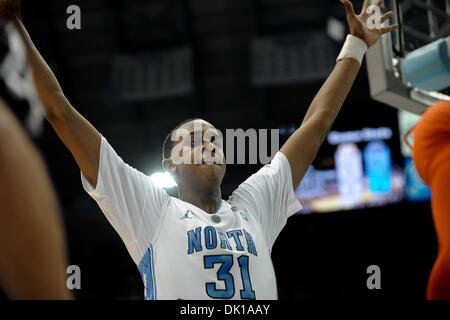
(186, 216)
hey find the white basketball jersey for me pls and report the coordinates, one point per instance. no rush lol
(183, 252)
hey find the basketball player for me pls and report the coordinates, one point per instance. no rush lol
(199, 246)
(431, 153)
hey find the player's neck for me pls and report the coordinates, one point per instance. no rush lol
(208, 201)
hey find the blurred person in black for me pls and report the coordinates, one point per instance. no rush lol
(32, 244)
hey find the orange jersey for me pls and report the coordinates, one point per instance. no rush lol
(431, 153)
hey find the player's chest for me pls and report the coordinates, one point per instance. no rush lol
(194, 231)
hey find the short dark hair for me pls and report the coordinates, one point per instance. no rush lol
(168, 143)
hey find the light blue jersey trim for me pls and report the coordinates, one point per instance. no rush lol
(153, 271)
(147, 271)
(218, 208)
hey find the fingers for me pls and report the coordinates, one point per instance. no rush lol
(388, 29)
(386, 16)
(379, 3)
(365, 6)
(348, 8)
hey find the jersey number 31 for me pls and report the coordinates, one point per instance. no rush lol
(223, 274)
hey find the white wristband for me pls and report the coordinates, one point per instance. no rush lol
(353, 47)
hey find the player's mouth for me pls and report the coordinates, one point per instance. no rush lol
(204, 164)
(210, 162)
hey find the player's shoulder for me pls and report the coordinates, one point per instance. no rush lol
(238, 206)
(178, 205)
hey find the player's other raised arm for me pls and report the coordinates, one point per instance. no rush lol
(301, 148)
(79, 136)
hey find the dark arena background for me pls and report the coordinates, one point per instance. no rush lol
(237, 64)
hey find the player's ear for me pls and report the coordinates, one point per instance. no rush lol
(169, 166)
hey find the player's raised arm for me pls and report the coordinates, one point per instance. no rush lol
(79, 136)
(301, 148)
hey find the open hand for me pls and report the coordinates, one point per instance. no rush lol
(358, 23)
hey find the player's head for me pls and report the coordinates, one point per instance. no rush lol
(193, 155)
